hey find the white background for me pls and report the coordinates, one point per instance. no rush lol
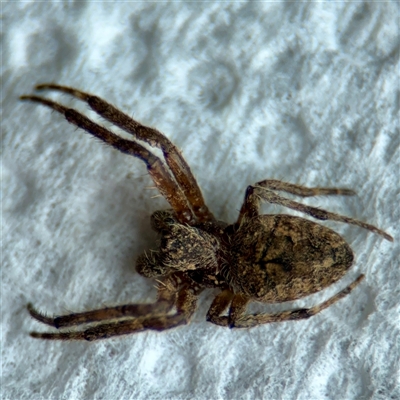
(307, 93)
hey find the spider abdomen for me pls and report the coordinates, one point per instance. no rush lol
(278, 258)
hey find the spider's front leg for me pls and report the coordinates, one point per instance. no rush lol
(166, 298)
(156, 317)
(162, 178)
(174, 159)
(218, 306)
(186, 187)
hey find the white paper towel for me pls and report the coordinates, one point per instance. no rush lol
(307, 93)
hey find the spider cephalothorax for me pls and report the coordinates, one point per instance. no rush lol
(181, 248)
(267, 258)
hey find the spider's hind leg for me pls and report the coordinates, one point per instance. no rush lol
(251, 204)
(238, 319)
(262, 191)
(303, 191)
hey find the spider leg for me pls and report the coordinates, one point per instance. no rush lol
(162, 178)
(123, 311)
(238, 319)
(298, 190)
(174, 159)
(218, 306)
(166, 297)
(254, 194)
(116, 328)
(251, 206)
(185, 306)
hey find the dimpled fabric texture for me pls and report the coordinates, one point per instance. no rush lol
(305, 93)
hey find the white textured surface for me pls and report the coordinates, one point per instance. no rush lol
(305, 93)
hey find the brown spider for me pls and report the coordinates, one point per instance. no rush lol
(264, 258)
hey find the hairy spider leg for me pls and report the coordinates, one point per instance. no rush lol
(186, 303)
(174, 159)
(251, 207)
(220, 303)
(261, 190)
(238, 319)
(103, 314)
(162, 178)
(298, 190)
(166, 298)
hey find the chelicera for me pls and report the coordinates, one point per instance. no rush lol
(263, 258)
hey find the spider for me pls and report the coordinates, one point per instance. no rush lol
(263, 258)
